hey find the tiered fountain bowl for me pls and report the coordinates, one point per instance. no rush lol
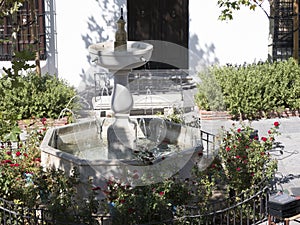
(137, 54)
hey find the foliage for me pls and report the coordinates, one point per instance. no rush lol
(32, 96)
(255, 90)
(19, 162)
(173, 115)
(209, 95)
(9, 7)
(24, 182)
(245, 156)
(19, 64)
(228, 6)
(151, 203)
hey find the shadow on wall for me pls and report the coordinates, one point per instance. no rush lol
(201, 57)
(110, 12)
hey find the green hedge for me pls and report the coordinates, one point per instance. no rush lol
(32, 95)
(24, 97)
(251, 91)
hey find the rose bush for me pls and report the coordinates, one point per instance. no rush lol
(245, 157)
(19, 163)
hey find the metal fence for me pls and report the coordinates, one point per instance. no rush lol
(16, 214)
(244, 209)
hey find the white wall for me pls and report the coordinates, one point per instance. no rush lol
(244, 39)
(80, 23)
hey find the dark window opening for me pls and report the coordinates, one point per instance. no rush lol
(283, 45)
(28, 31)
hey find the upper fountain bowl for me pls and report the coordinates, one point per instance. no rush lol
(136, 55)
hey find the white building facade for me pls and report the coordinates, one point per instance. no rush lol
(72, 26)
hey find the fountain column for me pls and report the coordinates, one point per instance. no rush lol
(121, 134)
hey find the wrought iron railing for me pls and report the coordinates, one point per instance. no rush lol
(247, 210)
(16, 214)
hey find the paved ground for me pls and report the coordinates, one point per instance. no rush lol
(288, 161)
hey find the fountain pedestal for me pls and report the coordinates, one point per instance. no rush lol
(121, 135)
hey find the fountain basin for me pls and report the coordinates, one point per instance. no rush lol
(104, 54)
(80, 145)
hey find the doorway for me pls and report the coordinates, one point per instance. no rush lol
(165, 24)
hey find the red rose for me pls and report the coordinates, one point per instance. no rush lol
(227, 149)
(43, 120)
(18, 153)
(264, 139)
(276, 124)
(161, 193)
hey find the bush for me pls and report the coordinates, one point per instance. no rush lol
(252, 91)
(209, 95)
(245, 156)
(38, 96)
(25, 183)
(30, 96)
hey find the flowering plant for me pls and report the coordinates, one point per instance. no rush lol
(245, 156)
(142, 204)
(18, 163)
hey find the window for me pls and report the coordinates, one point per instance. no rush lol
(29, 30)
(283, 33)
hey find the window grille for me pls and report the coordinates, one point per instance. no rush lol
(28, 36)
(283, 30)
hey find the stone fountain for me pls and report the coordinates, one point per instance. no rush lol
(124, 147)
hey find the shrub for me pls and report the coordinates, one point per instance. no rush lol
(245, 156)
(251, 91)
(31, 96)
(24, 182)
(209, 95)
